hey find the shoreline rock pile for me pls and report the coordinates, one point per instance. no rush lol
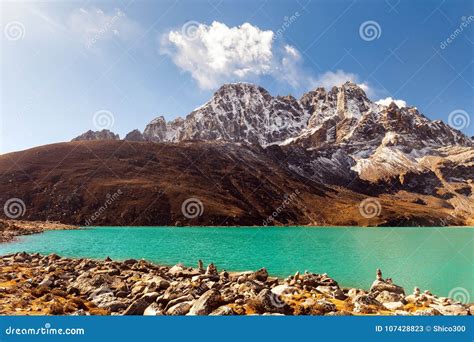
(9, 229)
(32, 284)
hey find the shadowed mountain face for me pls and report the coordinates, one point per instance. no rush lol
(223, 183)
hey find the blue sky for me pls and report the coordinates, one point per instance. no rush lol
(63, 62)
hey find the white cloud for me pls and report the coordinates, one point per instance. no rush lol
(288, 69)
(291, 51)
(331, 79)
(387, 101)
(93, 25)
(216, 53)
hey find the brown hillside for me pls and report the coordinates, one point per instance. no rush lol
(147, 183)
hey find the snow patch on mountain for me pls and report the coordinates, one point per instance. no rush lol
(388, 100)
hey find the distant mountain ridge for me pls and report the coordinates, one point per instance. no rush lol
(244, 112)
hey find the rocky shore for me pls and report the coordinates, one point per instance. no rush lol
(33, 284)
(9, 229)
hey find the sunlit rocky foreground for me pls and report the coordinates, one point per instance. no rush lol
(33, 284)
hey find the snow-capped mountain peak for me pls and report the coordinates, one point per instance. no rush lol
(245, 112)
(239, 112)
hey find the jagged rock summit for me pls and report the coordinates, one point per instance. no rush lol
(105, 134)
(134, 135)
(238, 112)
(243, 112)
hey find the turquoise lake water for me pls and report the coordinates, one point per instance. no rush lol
(438, 259)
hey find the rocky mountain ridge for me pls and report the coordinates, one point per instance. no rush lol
(247, 113)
